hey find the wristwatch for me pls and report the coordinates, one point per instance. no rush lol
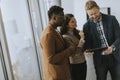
(113, 48)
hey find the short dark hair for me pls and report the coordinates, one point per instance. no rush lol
(54, 10)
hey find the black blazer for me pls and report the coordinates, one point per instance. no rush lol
(112, 32)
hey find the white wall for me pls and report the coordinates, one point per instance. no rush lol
(68, 6)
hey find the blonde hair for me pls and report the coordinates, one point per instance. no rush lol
(91, 4)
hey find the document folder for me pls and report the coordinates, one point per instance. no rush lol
(96, 49)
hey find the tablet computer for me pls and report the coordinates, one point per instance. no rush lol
(96, 49)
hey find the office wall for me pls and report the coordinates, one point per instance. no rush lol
(68, 6)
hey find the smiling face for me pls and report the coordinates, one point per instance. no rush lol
(72, 23)
(94, 13)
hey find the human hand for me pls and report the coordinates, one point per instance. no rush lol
(108, 51)
(88, 54)
(81, 33)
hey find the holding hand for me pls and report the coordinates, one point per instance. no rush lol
(88, 54)
(81, 33)
(108, 51)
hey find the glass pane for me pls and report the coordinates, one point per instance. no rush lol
(1, 72)
(1, 66)
(39, 20)
(20, 40)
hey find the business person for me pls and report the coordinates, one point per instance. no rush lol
(55, 53)
(102, 30)
(72, 36)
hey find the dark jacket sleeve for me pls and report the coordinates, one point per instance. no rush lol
(88, 37)
(116, 28)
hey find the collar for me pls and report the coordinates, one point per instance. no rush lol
(99, 19)
(70, 32)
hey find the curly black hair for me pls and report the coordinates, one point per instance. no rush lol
(54, 10)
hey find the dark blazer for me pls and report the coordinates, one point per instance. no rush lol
(55, 56)
(112, 32)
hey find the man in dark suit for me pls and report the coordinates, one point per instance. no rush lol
(101, 31)
(55, 53)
